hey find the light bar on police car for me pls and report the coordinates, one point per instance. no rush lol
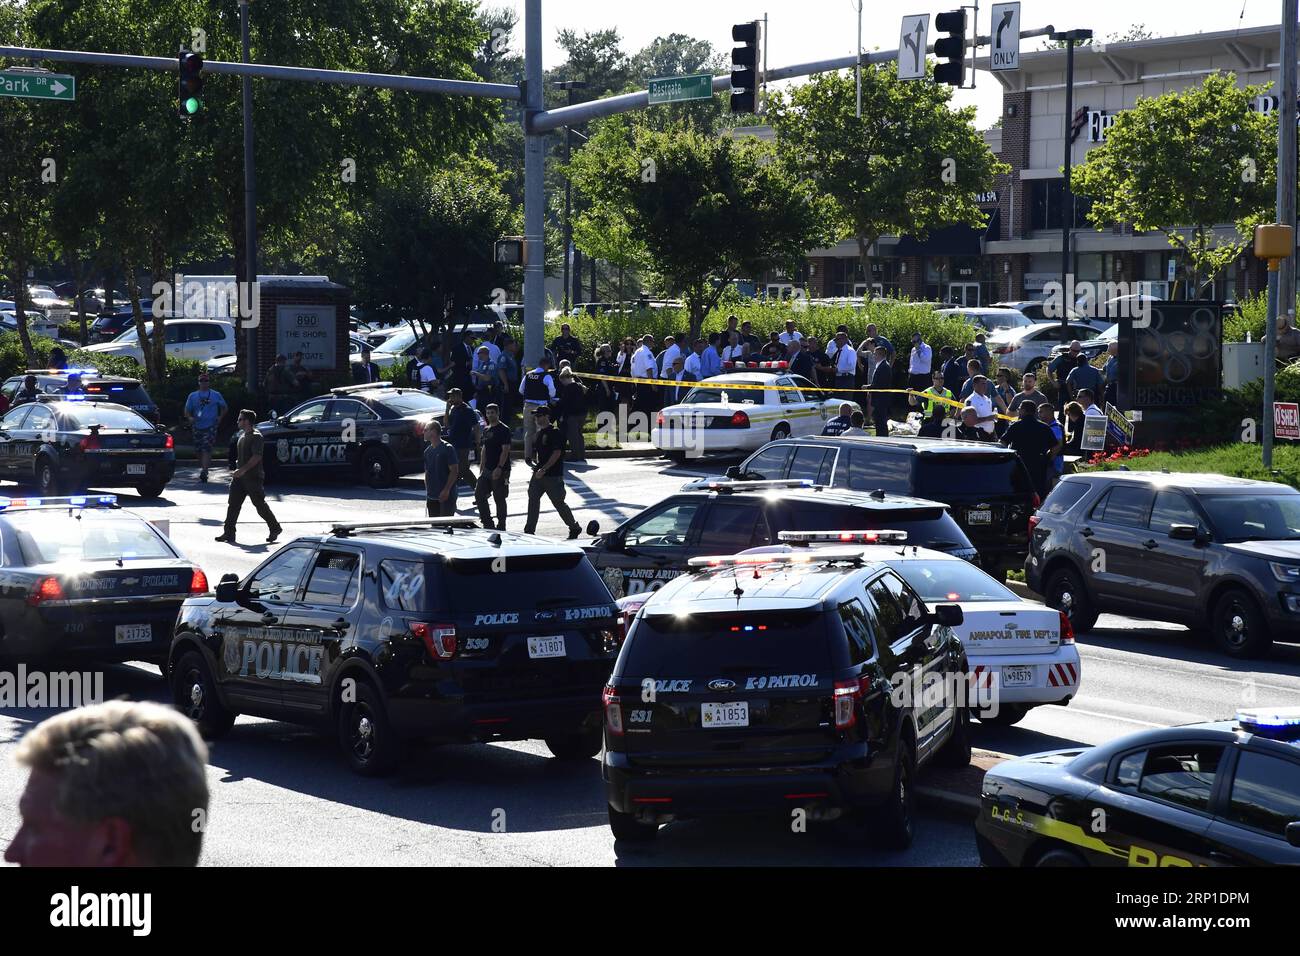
(775, 483)
(758, 366)
(842, 537)
(72, 501)
(1277, 722)
(821, 555)
(466, 522)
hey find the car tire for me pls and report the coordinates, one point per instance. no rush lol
(892, 824)
(628, 829)
(377, 468)
(955, 753)
(366, 734)
(780, 431)
(1064, 591)
(1237, 625)
(1007, 715)
(194, 694)
(582, 745)
(1060, 857)
(150, 491)
(47, 479)
(676, 457)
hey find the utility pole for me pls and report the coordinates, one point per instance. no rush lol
(250, 210)
(857, 69)
(570, 86)
(1281, 281)
(534, 185)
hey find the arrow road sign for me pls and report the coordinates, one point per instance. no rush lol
(38, 86)
(1006, 37)
(911, 47)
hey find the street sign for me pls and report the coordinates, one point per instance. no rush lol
(1119, 428)
(38, 86)
(1286, 420)
(911, 46)
(1005, 25)
(680, 89)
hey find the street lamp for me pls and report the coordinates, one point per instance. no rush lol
(569, 86)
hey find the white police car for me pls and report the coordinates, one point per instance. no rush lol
(743, 411)
(1022, 654)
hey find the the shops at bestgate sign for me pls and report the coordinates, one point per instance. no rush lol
(1100, 121)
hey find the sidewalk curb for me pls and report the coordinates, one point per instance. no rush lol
(1023, 590)
(959, 790)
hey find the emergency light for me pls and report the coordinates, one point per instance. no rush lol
(842, 537)
(760, 366)
(822, 555)
(776, 483)
(73, 501)
(1277, 722)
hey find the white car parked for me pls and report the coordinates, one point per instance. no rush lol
(200, 339)
(713, 418)
(1026, 349)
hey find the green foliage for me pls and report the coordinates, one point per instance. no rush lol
(1182, 162)
(1252, 318)
(1238, 459)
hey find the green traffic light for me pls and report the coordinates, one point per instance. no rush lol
(192, 105)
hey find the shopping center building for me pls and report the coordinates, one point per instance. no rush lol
(1019, 250)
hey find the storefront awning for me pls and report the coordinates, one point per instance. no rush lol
(951, 240)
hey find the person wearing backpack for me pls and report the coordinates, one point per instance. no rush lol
(421, 373)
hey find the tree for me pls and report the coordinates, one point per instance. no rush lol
(909, 164)
(702, 210)
(1182, 163)
(423, 251)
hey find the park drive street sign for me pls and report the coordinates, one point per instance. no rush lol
(38, 86)
(676, 89)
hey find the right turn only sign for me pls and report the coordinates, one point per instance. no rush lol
(1005, 27)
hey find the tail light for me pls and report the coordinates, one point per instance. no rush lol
(1037, 502)
(89, 443)
(198, 582)
(613, 711)
(740, 420)
(1033, 523)
(1067, 631)
(847, 695)
(170, 443)
(659, 421)
(439, 639)
(46, 589)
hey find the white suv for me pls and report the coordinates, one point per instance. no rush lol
(200, 339)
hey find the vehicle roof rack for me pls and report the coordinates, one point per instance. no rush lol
(346, 389)
(399, 524)
(731, 486)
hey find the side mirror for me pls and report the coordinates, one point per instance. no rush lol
(734, 472)
(949, 615)
(227, 591)
(1182, 532)
(593, 527)
(1293, 833)
(283, 422)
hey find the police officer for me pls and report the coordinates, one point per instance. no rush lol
(538, 389)
(247, 480)
(548, 474)
(494, 478)
(74, 386)
(933, 412)
(28, 393)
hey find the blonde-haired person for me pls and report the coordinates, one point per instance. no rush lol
(123, 783)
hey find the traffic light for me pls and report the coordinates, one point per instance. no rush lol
(746, 66)
(951, 49)
(191, 84)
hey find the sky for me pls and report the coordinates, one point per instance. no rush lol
(805, 30)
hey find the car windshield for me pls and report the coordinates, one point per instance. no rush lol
(1258, 517)
(47, 536)
(413, 403)
(713, 395)
(940, 581)
(106, 416)
(41, 292)
(130, 334)
(397, 342)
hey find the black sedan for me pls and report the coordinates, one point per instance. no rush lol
(71, 442)
(84, 579)
(373, 433)
(1225, 793)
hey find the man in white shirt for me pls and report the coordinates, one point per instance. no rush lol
(980, 401)
(846, 364)
(834, 344)
(1089, 402)
(692, 363)
(919, 364)
(733, 350)
(643, 366)
(671, 352)
(789, 335)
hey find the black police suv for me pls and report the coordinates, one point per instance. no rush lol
(85, 579)
(115, 388)
(375, 433)
(384, 633)
(724, 517)
(986, 486)
(776, 682)
(1222, 793)
(71, 442)
(1216, 553)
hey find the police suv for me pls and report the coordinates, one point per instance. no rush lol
(396, 631)
(815, 681)
(82, 578)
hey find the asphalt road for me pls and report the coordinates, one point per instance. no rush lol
(282, 795)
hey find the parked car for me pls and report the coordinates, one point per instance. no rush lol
(1037, 311)
(989, 319)
(122, 391)
(1027, 348)
(199, 339)
(110, 325)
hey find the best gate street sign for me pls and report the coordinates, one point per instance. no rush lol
(38, 86)
(1006, 37)
(677, 89)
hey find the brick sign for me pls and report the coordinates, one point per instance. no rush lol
(309, 329)
(1286, 420)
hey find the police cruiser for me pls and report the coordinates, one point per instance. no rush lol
(1221, 793)
(713, 418)
(391, 632)
(85, 579)
(1021, 653)
(783, 682)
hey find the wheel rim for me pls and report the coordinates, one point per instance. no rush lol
(47, 478)
(194, 699)
(1235, 624)
(905, 795)
(780, 433)
(363, 733)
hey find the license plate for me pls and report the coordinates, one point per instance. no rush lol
(1017, 676)
(137, 469)
(133, 633)
(541, 647)
(733, 713)
(980, 517)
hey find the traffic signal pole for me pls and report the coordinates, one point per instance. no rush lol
(251, 371)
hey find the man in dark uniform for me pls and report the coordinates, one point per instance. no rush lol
(494, 478)
(566, 346)
(246, 481)
(538, 389)
(548, 474)
(28, 393)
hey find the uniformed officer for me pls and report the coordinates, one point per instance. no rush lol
(933, 412)
(548, 474)
(247, 480)
(28, 393)
(537, 389)
(74, 386)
